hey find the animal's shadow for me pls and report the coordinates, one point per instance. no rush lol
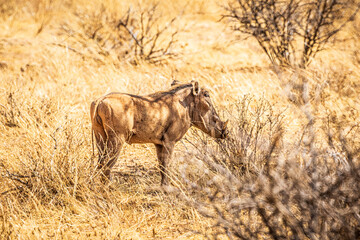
(134, 177)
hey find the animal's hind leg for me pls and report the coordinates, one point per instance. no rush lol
(107, 159)
(101, 144)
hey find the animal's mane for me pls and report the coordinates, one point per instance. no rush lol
(172, 91)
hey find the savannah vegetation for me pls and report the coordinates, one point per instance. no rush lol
(285, 73)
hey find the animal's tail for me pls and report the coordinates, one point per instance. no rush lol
(92, 142)
(97, 123)
(93, 110)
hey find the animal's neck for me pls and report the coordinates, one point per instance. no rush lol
(188, 103)
(183, 93)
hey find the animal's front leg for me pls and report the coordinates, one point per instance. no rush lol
(164, 153)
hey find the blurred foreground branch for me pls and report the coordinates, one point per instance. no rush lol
(257, 185)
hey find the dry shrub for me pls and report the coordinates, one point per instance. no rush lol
(7, 8)
(257, 124)
(10, 112)
(291, 32)
(36, 15)
(286, 190)
(51, 174)
(139, 34)
(49, 165)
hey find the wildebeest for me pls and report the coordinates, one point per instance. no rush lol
(161, 118)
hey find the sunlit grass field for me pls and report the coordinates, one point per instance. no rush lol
(49, 76)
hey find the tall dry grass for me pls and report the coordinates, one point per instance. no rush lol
(48, 78)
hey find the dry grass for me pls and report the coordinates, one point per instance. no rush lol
(49, 188)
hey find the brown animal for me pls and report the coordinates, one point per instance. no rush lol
(161, 118)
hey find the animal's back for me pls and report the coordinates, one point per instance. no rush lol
(141, 119)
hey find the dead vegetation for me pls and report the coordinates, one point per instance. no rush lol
(290, 169)
(273, 189)
(139, 34)
(291, 32)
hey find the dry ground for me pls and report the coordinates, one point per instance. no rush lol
(46, 89)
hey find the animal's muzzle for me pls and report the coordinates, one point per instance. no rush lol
(224, 131)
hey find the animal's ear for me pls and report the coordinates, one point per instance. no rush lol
(196, 88)
(175, 82)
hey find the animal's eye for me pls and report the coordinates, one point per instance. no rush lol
(206, 94)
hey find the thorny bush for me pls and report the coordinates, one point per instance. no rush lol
(291, 32)
(140, 34)
(258, 185)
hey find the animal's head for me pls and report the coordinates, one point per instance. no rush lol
(203, 114)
